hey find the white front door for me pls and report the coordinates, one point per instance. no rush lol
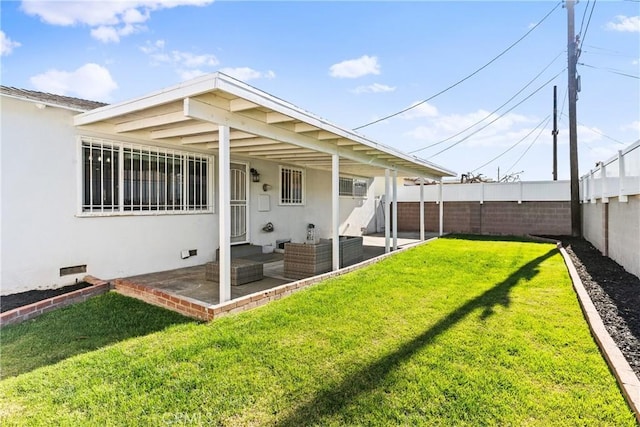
(239, 203)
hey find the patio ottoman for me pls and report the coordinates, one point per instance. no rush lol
(242, 271)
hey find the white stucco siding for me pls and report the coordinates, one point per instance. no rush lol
(290, 222)
(41, 232)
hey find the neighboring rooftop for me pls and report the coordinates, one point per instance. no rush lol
(51, 99)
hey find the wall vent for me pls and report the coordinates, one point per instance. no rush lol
(76, 269)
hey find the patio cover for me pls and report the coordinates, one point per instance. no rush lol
(261, 126)
(216, 113)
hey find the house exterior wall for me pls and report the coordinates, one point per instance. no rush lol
(42, 232)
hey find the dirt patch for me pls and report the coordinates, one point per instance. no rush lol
(9, 302)
(615, 294)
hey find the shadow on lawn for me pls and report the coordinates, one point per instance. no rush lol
(329, 402)
(80, 328)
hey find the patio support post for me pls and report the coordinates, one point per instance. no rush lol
(224, 214)
(387, 211)
(441, 209)
(421, 208)
(335, 210)
(395, 210)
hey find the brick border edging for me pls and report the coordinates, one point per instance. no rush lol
(196, 309)
(27, 312)
(626, 377)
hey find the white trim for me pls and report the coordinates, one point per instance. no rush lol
(303, 185)
(120, 209)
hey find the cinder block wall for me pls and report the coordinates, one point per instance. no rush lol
(614, 229)
(542, 217)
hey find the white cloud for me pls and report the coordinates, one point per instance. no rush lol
(420, 110)
(624, 23)
(353, 68)
(504, 132)
(91, 81)
(109, 20)
(587, 134)
(635, 126)
(190, 74)
(246, 73)
(188, 65)
(6, 44)
(374, 88)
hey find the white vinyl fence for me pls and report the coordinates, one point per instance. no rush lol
(524, 191)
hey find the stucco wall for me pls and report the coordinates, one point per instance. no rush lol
(614, 229)
(592, 224)
(42, 233)
(40, 229)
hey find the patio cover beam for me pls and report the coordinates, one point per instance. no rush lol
(200, 110)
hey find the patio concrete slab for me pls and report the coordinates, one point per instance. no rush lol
(190, 282)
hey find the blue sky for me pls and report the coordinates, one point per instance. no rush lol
(356, 62)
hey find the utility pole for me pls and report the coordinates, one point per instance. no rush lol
(576, 222)
(554, 132)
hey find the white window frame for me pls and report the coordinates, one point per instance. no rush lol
(136, 210)
(353, 193)
(303, 190)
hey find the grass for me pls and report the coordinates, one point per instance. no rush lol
(456, 332)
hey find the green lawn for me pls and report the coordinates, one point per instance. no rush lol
(455, 332)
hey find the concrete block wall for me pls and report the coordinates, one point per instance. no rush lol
(614, 229)
(538, 217)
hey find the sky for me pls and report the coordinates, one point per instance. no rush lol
(479, 75)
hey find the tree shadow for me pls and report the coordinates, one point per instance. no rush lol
(79, 328)
(330, 402)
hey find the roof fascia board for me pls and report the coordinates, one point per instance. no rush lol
(48, 104)
(183, 90)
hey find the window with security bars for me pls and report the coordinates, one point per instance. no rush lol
(126, 178)
(353, 187)
(291, 186)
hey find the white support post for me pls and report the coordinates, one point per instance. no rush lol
(335, 210)
(520, 190)
(481, 192)
(395, 210)
(440, 209)
(622, 198)
(387, 211)
(594, 186)
(421, 208)
(603, 177)
(224, 214)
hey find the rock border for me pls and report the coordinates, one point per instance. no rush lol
(626, 377)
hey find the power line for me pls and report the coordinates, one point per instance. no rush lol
(583, 16)
(500, 116)
(610, 70)
(529, 147)
(514, 145)
(598, 132)
(493, 112)
(584, 36)
(465, 78)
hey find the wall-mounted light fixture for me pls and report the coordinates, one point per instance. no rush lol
(255, 175)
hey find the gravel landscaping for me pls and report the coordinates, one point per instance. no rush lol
(615, 293)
